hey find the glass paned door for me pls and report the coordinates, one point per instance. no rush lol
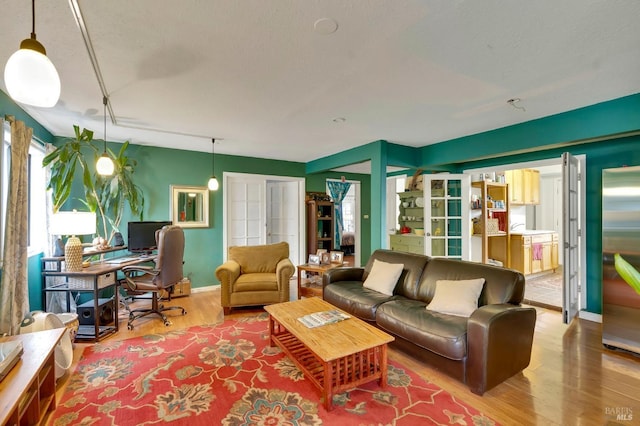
(447, 216)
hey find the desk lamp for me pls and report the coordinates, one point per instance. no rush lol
(73, 223)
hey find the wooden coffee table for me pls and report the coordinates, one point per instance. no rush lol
(335, 357)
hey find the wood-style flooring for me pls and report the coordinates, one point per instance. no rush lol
(572, 379)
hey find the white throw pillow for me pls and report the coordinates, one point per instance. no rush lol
(456, 297)
(383, 276)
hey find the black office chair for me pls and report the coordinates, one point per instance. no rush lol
(166, 274)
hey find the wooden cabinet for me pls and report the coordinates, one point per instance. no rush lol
(521, 253)
(524, 186)
(409, 243)
(492, 225)
(28, 392)
(554, 252)
(320, 226)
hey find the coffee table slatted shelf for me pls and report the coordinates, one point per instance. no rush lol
(336, 357)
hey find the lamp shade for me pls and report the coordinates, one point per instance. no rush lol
(31, 78)
(73, 223)
(213, 184)
(105, 165)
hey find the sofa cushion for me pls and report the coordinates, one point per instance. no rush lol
(383, 277)
(456, 297)
(443, 334)
(352, 297)
(260, 258)
(414, 264)
(502, 285)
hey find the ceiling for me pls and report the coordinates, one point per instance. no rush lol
(273, 80)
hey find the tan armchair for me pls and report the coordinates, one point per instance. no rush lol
(255, 275)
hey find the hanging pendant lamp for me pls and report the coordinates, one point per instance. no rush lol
(104, 166)
(213, 182)
(30, 77)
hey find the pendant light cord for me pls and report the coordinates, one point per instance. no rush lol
(104, 102)
(33, 19)
(213, 156)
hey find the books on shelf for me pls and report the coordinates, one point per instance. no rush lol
(318, 319)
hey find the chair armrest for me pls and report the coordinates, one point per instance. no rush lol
(140, 273)
(499, 342)
(342, 274)
(227, 274)
(284, 272)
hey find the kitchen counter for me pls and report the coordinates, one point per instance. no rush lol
(534, 250)
(531, 232)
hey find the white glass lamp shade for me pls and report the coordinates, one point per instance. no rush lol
(73, 223)
(31, 78)
(213, 184)
(104, 166)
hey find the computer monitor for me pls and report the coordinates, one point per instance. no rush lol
(141, 236)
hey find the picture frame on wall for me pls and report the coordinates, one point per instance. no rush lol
(337, 257)
(314, 259)
(325, 258)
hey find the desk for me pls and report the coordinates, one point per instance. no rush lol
(28, 392)
(96, 279)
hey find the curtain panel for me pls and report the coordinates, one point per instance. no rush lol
(338, 190)
(14, 292)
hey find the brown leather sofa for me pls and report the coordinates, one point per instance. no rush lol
(255, 275)
(484, 350)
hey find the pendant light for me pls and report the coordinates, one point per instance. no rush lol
(104, 166)
(30, 77)
(213, 182)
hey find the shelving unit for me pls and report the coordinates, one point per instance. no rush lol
(320, 226)
(411, 216)
(494, 204)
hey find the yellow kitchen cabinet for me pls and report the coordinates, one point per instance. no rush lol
(521, 253)
(554, 252)
(524, 186)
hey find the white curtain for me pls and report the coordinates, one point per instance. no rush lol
(14, 291)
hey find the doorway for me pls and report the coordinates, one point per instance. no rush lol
(349, 242)
(264, 209)
(548, 289)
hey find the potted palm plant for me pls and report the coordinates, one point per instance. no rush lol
(107, 196)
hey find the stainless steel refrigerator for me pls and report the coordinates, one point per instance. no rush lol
(620, 256)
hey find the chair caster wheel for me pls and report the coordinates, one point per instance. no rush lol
(167, 323)
(130, 327)
(184, 312)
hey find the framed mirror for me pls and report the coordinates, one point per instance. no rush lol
(190, 206)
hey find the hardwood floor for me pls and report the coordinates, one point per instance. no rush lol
(572, 379)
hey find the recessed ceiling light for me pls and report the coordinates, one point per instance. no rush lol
(325, 26)
(339, 120)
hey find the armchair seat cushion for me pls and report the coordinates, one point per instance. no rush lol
(443, 334)
(256, 282)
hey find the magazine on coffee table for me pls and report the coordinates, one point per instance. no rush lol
(318, 319)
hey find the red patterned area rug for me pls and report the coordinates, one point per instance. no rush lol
(228, 374)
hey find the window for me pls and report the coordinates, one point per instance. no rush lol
(37, 233)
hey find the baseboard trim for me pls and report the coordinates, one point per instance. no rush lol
(212, 287)
(590, 316)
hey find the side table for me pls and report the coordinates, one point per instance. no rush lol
(310, 284)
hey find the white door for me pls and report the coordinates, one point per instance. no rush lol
(395, 184)
(447, 229)
(245, 212)
(571, 237)
(282, 215)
